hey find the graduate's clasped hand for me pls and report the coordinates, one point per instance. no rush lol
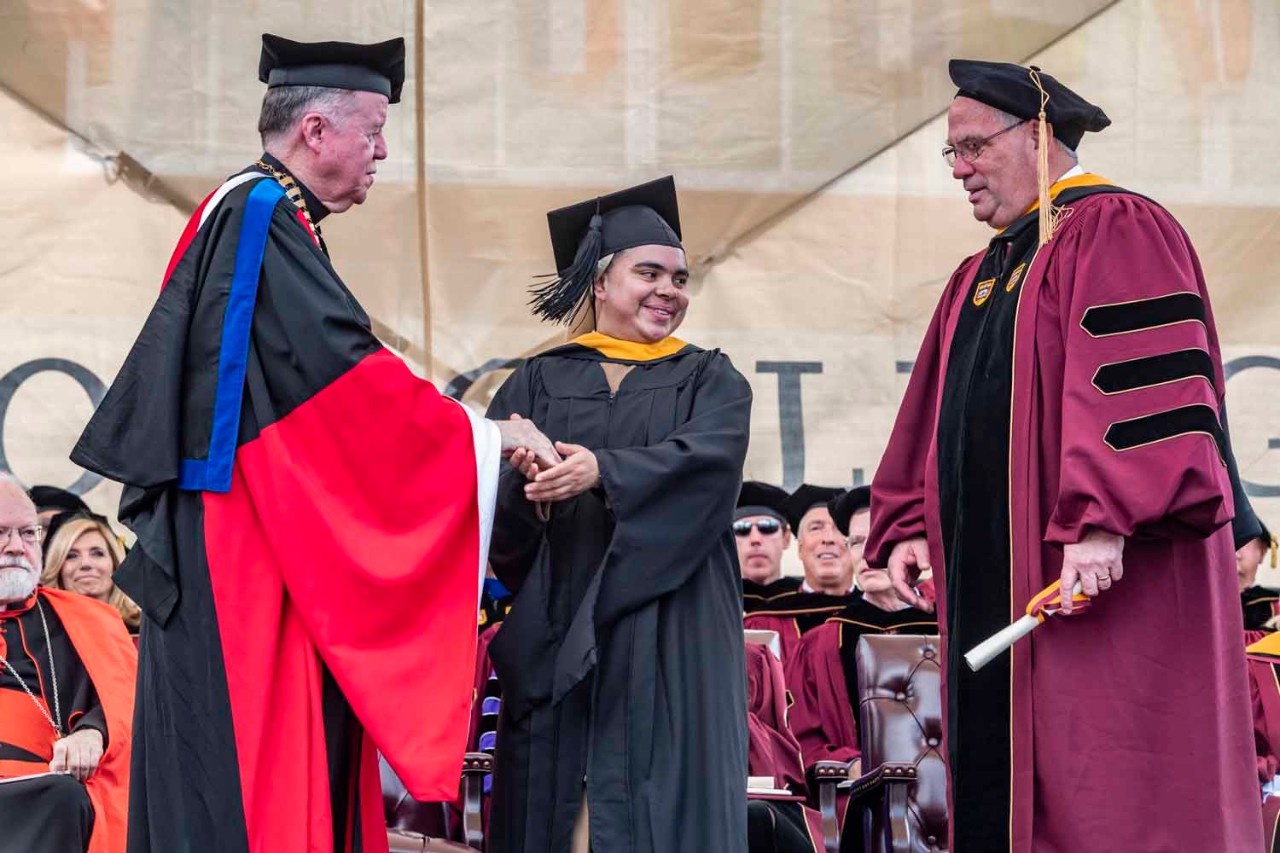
(575, 471)
(579, 472)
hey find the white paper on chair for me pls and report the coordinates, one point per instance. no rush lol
(764, 785)
(1272, 788)
(765, 638)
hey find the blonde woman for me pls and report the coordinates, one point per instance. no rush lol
(82, 556)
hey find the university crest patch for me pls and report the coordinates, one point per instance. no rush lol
(1015, 277)
(983, 291)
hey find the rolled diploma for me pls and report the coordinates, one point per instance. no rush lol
(986, 651)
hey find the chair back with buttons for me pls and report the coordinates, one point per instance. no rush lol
(900, 713)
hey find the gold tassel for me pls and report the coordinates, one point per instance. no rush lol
(1272, 545)
(1049, 215)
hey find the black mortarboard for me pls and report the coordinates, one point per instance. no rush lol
(51, 497)
(583, 233)
(806, 498)
(1009, 87)
(334, 64)
(843, 506)
(758, 498)
(62, 519)
(1268, 540)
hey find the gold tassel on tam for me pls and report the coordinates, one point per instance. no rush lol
(1272, 547)
(1049, 215)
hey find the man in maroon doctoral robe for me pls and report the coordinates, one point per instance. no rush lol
(828, 572)
(1063, 421)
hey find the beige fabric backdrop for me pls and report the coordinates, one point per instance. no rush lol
(804, 136)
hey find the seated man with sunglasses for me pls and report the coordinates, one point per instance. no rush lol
(761, 533)
(828, 585)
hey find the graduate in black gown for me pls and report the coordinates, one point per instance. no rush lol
(621, 662)
(761, 531)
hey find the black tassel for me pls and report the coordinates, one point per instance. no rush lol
(559, 298)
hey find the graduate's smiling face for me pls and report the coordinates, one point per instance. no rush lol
(824, 553)
(760, 553)
(643, 295)
(346, 148)
(1001, 180)
(88, 566)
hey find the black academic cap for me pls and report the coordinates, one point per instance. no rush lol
(334, 64)
(51, 497)
(1009, 87)
(583, 233)
(758, 498)
(1268, 541)
(806, 498)
(63, 518)
(843, 506)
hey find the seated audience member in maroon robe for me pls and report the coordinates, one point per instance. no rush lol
(823, 674)
(1264, 689)
(828, 572)
(775, 823)
(1064, 422)
(761, 532)
(1261, 604)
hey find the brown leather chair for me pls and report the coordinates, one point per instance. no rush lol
(899, 804)
(414, 827)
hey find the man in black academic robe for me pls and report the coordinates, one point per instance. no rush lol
(622, 662)
(311, 516)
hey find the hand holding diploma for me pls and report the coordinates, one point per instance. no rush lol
(1046, 603)
(1089, 568)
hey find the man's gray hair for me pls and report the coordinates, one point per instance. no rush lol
(284, 106)
(1009, 120)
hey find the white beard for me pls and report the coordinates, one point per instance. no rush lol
(17, 579)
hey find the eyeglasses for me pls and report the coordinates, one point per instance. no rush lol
(29, 535)
(969, 150)
(766, 526)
